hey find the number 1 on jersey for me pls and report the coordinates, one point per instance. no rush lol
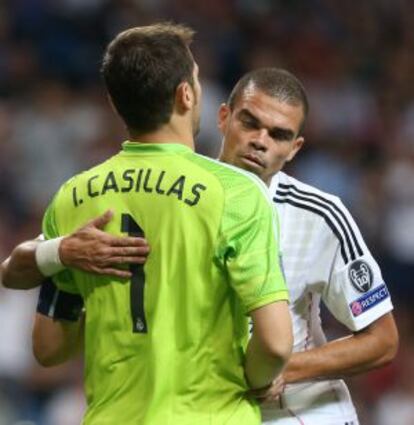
(139, 323)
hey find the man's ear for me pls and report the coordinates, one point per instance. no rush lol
(184, 97)
(297, 146)
(111, 103)
(223, 116)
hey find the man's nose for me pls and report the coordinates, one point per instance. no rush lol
(259, 140)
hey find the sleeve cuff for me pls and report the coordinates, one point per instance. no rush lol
(268, 299)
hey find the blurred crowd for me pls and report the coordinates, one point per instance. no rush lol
(356, 61)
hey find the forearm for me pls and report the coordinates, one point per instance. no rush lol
(270, 345)
(20, 270)
(55, 341)
(354, 354)
(335, 359)
(261, 367)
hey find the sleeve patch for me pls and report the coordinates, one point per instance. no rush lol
(361, 276)
(369, 300)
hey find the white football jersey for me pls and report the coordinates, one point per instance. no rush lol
(323, 257)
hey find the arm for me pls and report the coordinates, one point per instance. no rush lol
(58, 329)
(89, 249)
(56, 341)
(20, 270)
(376, 341)
(250, 254)
(270, 346)
(356, 295)
(370, 348)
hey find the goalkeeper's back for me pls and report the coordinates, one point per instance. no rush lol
(167, 347)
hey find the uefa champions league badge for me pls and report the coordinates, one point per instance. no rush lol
(369, 300)
(361, 276)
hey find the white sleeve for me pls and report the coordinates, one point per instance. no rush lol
(356, 293)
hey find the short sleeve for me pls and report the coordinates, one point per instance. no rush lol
(356, 293)
(249, 248)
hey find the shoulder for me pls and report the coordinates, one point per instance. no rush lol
(85, 175)
(316, 204)
(231, 178)
(284, 186)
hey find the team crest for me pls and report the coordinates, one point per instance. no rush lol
(361, 276)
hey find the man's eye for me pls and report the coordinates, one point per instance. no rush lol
(248, 124)
(281, 136)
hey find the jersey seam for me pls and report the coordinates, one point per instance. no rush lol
(219, 230)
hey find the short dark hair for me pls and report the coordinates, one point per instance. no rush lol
(274, 82)
(142, 68)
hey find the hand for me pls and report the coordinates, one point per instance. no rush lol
(92, 250)
(270, 394)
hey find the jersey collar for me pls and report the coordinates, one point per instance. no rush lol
(143, 148)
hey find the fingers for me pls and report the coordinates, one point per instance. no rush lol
(101, 221)
(269, 403)
(270, 394)
(128, 241)
(127, 251)
(111, 271)
(108, 256)
(127, 260)
(274, 392)
(258, 393)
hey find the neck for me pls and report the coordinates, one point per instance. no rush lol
(166, 134)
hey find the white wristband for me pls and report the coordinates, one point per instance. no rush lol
(47, 257)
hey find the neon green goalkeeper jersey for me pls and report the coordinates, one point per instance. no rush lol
(167, 347)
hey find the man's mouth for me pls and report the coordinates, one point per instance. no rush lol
(253, 160)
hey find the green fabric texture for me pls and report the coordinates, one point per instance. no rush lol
(214, 258)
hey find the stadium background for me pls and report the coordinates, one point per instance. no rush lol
(356, 61)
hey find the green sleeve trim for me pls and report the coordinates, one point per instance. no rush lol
(281, 295)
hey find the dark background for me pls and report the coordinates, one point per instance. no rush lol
(356, 61)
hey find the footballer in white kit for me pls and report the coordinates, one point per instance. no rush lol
(324, 258)
(323, 254)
